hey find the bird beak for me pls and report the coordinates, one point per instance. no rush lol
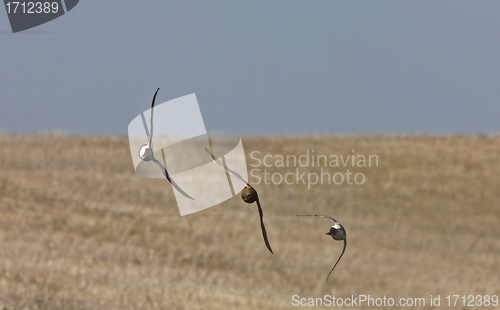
(327, 233)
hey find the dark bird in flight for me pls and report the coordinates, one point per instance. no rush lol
(337, 232)
(248, 194)
(146, 152)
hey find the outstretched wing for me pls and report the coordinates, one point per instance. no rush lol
(220, 163)
(325, 216)
(151, 118)
(264, 233)
(165, 172)
(345, 244)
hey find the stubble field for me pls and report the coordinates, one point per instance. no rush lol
(80, 230)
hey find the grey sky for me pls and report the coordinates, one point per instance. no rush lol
(258, 67)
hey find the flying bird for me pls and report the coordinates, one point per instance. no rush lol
(146, 152)
(337, 232)
(248, 194)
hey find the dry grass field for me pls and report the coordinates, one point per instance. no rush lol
(80, 230)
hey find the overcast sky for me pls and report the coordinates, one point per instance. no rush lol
(258, 67)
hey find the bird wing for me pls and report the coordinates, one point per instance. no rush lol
(220, 163)
(325, 216)
(165, 172)
(264, 233)
(345, 244)
(151, 118)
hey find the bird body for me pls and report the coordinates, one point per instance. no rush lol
(249, 195)
(337, 232)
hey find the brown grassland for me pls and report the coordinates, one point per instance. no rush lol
(80, 230)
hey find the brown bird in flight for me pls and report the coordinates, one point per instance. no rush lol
(248, 194)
